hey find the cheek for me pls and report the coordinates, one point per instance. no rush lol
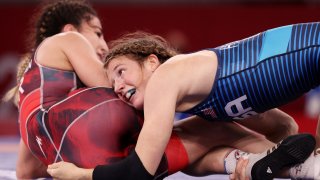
(92, 40)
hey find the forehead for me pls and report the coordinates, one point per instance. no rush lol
(94, 22)
(120, 60)
(117, 61)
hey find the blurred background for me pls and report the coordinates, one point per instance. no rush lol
(188, 24)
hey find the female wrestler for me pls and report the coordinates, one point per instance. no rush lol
(132, 76)
(67, 45)
(58, 118)
(231, 82)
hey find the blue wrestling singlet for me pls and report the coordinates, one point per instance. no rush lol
(262, 72)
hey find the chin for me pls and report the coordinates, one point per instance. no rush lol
(138, 106)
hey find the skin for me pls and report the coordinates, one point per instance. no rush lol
(204, 148)
(159, 110)
(80, 50)
(240, 170)
(195, 148)
(177, 94)
(318, 137)
(242, 164)
(59, 52)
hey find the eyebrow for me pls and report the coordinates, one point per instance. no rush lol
(116, 67)
(98, 27)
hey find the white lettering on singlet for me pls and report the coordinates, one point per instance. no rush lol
(240, 111)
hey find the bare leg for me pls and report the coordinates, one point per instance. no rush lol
(213, 163)
(317, 136)
(200, 136)
(275, 124)
(28, 166)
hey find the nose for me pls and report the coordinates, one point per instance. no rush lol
(118, 86)
(103, 48)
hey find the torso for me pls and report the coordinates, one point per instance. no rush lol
(263, 72)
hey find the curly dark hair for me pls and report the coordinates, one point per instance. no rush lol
(49, 20)
(53, 15)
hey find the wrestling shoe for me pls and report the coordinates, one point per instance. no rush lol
(291, 151)
(310, 169)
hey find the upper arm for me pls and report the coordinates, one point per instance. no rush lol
(84, 60)
(161, 96)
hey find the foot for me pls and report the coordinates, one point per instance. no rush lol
(310, 169)
(291, 151)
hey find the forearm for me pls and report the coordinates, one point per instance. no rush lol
(129, 168)
(152, 143)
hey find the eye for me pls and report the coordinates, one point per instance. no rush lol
(120, 72)
(99, 34)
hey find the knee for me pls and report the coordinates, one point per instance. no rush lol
(23, 174)
(286, 127)
(290, 126)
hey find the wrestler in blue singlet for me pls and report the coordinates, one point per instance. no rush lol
(262, 72)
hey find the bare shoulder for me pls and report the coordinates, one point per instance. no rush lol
(60, 40)
(185, 64)
(52, 51)
(199, 55)
(66, 38)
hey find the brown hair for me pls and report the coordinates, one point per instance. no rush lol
(51, 17)
(140, 45)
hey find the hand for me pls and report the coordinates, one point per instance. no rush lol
(68, 171)
(240, 171)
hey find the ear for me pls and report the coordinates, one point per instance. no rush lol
(68, 27)
(152, 62)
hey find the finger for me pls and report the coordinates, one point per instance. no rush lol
(55, 165)
(243, 168)
(51, 171)
(245, 163)
(232, 177)
(239, 167)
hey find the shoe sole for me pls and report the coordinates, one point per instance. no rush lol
(293, 150)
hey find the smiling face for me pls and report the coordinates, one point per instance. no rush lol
(129, 78)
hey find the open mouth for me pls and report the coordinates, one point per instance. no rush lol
(130, 93)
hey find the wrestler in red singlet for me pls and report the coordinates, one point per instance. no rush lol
(61, 119)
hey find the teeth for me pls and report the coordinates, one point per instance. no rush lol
(130, 93)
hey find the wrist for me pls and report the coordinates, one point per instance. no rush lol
(128, 168)
(86, 174)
